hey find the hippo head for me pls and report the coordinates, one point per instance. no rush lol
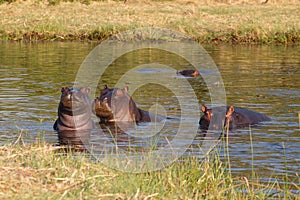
(189, 73)
(74, 110)
(74, 99)
(101, 106)
(115, 104)
(219, 118)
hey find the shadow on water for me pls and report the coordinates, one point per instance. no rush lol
(261, 78)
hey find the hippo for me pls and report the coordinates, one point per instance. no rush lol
(115, 104)
(236, 117)
(189, 73)
(74, 110)
(79, 138)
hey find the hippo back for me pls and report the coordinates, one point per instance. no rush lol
(243, 117)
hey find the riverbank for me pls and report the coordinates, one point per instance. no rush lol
(275, 22)
(34, 171)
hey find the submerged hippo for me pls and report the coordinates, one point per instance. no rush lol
(235, 117)
(78, 138)
(115, 104)
(74, 110)
(189, 73)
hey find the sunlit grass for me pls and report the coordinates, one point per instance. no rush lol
(209, 21)
(41, 170)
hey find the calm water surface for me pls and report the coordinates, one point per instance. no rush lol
(263, 78)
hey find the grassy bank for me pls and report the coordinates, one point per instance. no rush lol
(40, 171)
(211, 21)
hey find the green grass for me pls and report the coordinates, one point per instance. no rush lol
(39, 170)
(212, 21)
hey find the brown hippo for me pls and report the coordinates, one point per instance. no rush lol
(235, 117)
(189, 73)
(78, 138)
(115, 104)
(74, 110)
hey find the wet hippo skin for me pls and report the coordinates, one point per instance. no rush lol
(189, 73)
(236, 117)
(74, 110)
(74, 138)
(115, 104)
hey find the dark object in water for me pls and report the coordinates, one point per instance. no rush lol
(189, 73)
(74, 110)
(115, 105)
(236, 117)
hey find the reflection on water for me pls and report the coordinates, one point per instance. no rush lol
(262, 78)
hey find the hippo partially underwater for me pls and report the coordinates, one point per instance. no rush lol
(115, 104)
(235, 117)
(189, 73)
(74, 110)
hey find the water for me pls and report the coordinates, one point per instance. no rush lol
(262, 78)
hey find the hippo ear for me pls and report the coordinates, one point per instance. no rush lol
(64, 89)
(104, 90)
(230, 111)
(203, 108)
(196, 73)
(126, 88)
(85, 90)
(119, 93)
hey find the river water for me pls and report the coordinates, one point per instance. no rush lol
(262, 78)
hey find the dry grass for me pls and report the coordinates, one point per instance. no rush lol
(209, 21)
(39, 170)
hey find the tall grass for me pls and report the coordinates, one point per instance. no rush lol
(40, 170)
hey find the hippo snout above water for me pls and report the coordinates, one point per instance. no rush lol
(115, 104)
(234, 116)
(74, 110)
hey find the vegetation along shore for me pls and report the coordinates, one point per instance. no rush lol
(42, 171)
(208, 21)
